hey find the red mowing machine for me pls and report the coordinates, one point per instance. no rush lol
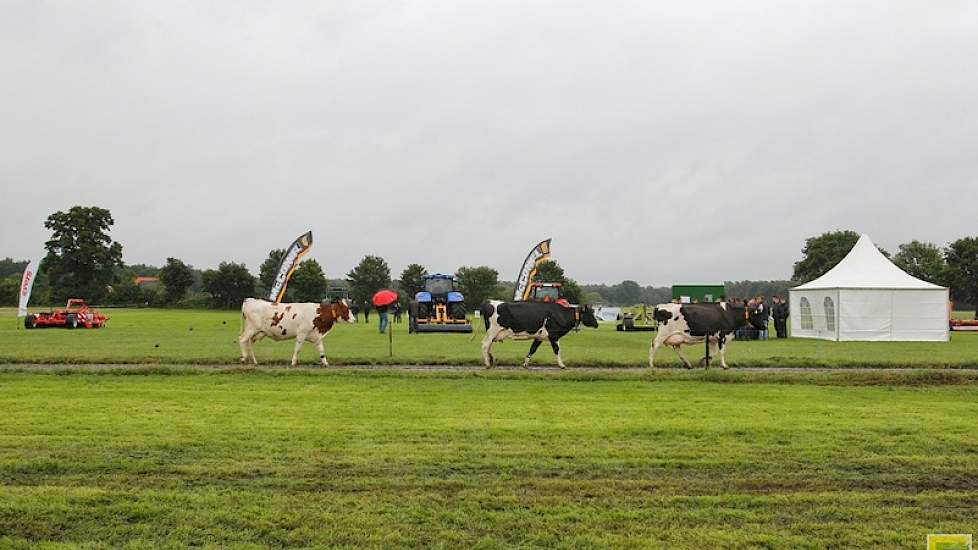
(77, 314)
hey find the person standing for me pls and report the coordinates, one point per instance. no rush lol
(366, 312)
(397, 311)
(355, 310)
(765, 314)
(412, 315)
(780, 313)
(382, 312)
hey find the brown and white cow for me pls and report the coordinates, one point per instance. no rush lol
(302, 322)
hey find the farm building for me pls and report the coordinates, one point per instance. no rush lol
(866, 297)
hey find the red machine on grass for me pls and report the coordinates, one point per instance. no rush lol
(961, 324)
(76, 314)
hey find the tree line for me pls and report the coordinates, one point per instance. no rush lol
(82, 260)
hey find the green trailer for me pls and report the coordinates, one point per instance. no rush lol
(640, 317)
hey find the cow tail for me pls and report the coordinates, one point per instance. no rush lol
(485, 310)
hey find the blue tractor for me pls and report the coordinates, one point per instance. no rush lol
(441, 307)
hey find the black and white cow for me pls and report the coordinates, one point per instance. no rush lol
(683, 324)
(538, 321)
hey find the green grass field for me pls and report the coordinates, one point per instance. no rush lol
(315, 458)
(169, 456)
(210, 337)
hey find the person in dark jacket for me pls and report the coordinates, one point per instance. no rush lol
(765, 313)
(412, 316)
(366, 312)
(780, 313)
(382, 311)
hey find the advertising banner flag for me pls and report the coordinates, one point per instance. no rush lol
(537, 256)
(26, 286)
(290, 261)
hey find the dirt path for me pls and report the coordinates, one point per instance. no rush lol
(475, 368)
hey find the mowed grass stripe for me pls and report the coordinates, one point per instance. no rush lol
(147, 336)
(306, 461)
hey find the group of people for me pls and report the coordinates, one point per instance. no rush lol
(778, 311)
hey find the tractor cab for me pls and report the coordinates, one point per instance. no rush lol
(548, 292)
(441, 307)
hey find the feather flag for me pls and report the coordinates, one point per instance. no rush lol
(290, 261)
(537, 256)
(26, 286)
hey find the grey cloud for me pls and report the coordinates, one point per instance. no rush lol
(652, 140)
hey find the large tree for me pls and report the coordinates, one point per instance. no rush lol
(551, 272)
(8, 267)
(308, 283)
(628, 292)
(177, 278)
(821, 253)
(229, 284)
(922, 260)
(412, 280)
(82, 258)
(269, 269)
(9, 290)
(962, 270)
(369, 276)
(477, 284)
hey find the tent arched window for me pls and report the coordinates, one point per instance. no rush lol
(829, 314)
(806, 315)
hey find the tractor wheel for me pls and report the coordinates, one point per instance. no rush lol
(71, 321)
(30, 321)
(424, 311)
(458, 311)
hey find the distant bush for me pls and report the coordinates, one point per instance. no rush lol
(195, 301)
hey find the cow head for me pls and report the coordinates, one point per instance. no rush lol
(341, 309)
(754, 317)
(587, 317)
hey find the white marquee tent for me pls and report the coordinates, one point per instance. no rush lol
(866, 297)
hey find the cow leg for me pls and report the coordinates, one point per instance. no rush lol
(251, 345)
(679, 352)
(322, 352)
(721, 343)
(533, 349)
(246, 347)
(487, 359)
(656, 343)
(556, 347)
(295, 354)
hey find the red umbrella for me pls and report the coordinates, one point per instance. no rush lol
(384, 298)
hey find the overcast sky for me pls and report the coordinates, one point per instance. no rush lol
(664, 142)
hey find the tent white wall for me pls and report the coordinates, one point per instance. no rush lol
(866, 297)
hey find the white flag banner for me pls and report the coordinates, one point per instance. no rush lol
(290, 261)
(26, 286)
(537, 256)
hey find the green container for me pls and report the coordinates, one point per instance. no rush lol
(697, 293)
